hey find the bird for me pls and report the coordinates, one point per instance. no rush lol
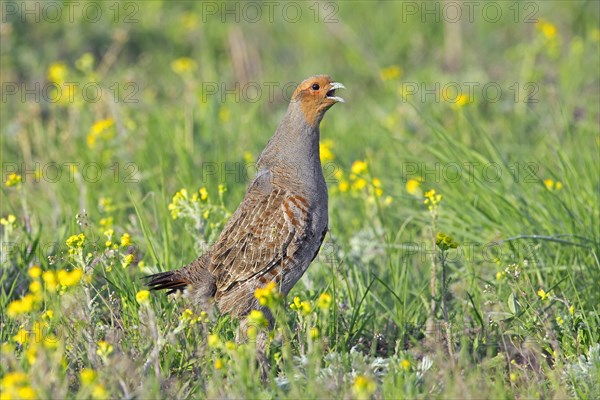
(278, 228)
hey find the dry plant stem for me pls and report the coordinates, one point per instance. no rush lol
(430, 329)
(449, 342)
(444, 288)
(447, 324)
(158, 343)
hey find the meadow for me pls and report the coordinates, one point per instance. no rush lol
(463, 174)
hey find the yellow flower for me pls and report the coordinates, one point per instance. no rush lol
(31, 354)
(389, 73)
(405, 364)
(177, 202)
(306, 307)
(224, 114)
(98, 392)
(218, 363)
(13, 379)
(26, 393)
(543, 295)
(257, 319)
(314, 332)
(324, 301)
(106, 222)
(49, 278)
(22, 336)
(8, 221)
(572, 310)
(548, 29)
(35, 272)
(461, 100)
(230, 345)
(325, 150)
(432, 198)
(358, 167)
(301, 306)
(106, 205)
(51, 342)
(552, 185)
(213, 341)
(128, 259)
(413, 187)
(183, 65)
(560, 321)
(21, 306)
(203, 316)
(189, 21)
(75, 241)
(104, 348)
(222, 188)
(87, 376)
(85, 63)
(13, 180)
(359, 184)
(445, 242)
(248, 157)
(267, 295)
(203, 193)
(66, 278)
(343, 186)
(35, 287)
(143, 297)
(188, 316)
(49, 314)
(57, 72)
(363, 386)
(103, 129)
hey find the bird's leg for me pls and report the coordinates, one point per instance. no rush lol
(260, 341)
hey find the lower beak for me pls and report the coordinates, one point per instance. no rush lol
(331, 92)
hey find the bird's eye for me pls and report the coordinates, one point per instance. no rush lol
(315, 86)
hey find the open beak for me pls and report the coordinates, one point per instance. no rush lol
(331, 92)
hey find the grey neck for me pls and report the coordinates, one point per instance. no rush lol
(295, 144)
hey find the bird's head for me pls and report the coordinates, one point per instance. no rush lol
(315, 96)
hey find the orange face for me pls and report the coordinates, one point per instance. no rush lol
(317, 95)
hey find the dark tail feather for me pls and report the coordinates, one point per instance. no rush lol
(167, 280)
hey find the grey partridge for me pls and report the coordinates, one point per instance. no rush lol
(277, 230)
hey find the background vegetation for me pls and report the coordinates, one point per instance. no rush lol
(128, 136)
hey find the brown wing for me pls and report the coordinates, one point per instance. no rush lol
(265, 232)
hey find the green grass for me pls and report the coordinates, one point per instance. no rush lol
(522, 294)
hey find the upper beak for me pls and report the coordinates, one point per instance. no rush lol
(333, 86)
